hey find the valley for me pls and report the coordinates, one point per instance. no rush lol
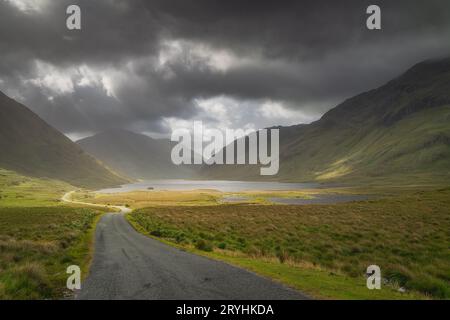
(390, 161)
(307, 247)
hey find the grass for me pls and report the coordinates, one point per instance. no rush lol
(141, 199)
(40, 237)
(316, 282)
(21, 191)
(322, 250)
(37, 244)
(406, 235)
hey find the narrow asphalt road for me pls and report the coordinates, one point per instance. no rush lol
(129, 265)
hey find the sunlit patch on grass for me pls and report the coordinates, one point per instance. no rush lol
(338, 170)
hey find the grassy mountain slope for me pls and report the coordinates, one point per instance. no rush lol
(134, 155)
(31, 147)
(22, 191)
(400, 131)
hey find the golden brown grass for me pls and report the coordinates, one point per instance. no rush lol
(141, 199)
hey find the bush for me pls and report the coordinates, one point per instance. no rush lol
(430, 286)
(180, 237)
(282, 255)
(156, 233)
(204, 245)
(222, 245)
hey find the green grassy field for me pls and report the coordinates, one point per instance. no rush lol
(40, 237)
(323, 250)
(37, 244)
(21, 191)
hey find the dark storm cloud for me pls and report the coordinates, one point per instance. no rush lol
(297, 29)
(327, 50)
(112, 30)
(157, 57)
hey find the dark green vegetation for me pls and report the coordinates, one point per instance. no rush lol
(406, 235)
(397, 133)
(31, 147)
(135, 155)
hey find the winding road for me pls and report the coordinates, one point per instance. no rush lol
(129, 265)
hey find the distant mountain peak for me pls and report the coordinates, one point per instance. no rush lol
(134, 154)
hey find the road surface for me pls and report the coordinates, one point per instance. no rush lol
(129, 265)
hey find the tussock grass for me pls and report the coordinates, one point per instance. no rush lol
(37, 244)
(406, 235)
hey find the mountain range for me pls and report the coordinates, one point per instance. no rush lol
(397, 132)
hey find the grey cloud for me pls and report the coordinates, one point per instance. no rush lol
(308, 55)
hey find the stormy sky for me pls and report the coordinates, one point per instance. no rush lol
(151, 66)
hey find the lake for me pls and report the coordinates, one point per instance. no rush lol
(225, 186)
